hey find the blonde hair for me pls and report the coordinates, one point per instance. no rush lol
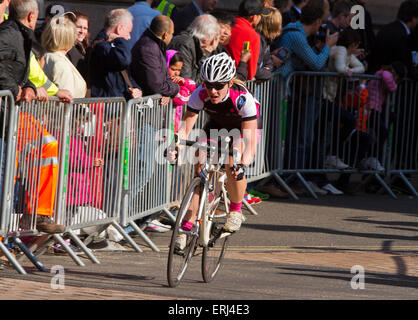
(59, 34)
(270, 25)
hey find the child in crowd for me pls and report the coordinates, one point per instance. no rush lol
(378, 91)
(187, 86)
(342, 60)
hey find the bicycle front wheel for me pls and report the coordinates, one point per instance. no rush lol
(178, 260)
(214, 252)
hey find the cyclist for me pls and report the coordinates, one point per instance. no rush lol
(229, 105)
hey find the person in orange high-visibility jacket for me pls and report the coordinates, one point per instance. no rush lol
(37, 160)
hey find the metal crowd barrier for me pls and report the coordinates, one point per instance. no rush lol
(402, 160)
(146, 180)
(99, 162)
(327, 121)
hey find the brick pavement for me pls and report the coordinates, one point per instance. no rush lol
(16, 289)
(398, 264)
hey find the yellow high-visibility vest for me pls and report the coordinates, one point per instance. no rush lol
(166, 8)
(38, 77)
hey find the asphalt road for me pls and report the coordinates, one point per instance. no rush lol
(292, 250)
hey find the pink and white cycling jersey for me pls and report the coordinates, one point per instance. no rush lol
(239, 105)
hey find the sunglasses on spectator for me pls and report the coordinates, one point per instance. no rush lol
(215, 85)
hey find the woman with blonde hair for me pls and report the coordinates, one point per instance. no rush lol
(269, 27)
(58, 38)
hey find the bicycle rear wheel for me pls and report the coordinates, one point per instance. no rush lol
(178, 261)
(214, 252)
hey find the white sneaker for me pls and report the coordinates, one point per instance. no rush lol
(330, 188)
(233, 222)
(371, 164)
(333, 162)
(181, 241)
(157, 226)
(317, 189)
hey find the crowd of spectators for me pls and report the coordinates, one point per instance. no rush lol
(153, 47)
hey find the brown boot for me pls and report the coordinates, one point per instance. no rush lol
(45, 224)
(273, 191)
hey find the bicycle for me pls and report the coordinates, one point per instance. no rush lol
(208, 232)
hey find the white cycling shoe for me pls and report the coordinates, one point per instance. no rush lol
(181, 241)
(234, 221)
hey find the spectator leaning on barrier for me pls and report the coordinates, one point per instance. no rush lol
(342, 60)
(249, 16)
(149, 64)
(37, 76)
(58, 38)
(301, 56)
(194, 9)
(199, 42)
(111, 57)
(143, 15)
(16, 36)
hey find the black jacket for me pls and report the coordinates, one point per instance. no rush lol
(149, 66)
(15, 47)
(107, 61)
(392, 44)
(184, 18)
(290, 16)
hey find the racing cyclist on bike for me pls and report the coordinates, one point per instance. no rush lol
(229, 105)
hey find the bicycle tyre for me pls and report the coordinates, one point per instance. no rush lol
(177, 265)
(212, 256)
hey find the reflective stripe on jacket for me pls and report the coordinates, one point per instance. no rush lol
(166, 8)
(38, 77)
(37, 161)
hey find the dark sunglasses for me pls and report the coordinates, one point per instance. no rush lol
(215, 85)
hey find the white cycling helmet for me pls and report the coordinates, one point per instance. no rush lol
(218, 68)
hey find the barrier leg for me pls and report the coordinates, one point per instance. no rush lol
(41, 244)
(29, 254)
(409, 185)
(83, 247)
(249, 207)
(306, 185)
(126, 236)
(384, 185)
(68, 249)
(144, 236)
(285, 186)
(169, 215)
(12, 259)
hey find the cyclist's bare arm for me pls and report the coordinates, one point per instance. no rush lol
(249, 133)
(189, 120)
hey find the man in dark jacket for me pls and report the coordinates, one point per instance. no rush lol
(197, 43)
(149, 65)
(16, 35)
(111, 57)
(392, 41)
(294, 13)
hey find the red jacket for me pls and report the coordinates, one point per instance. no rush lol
(241, 32)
